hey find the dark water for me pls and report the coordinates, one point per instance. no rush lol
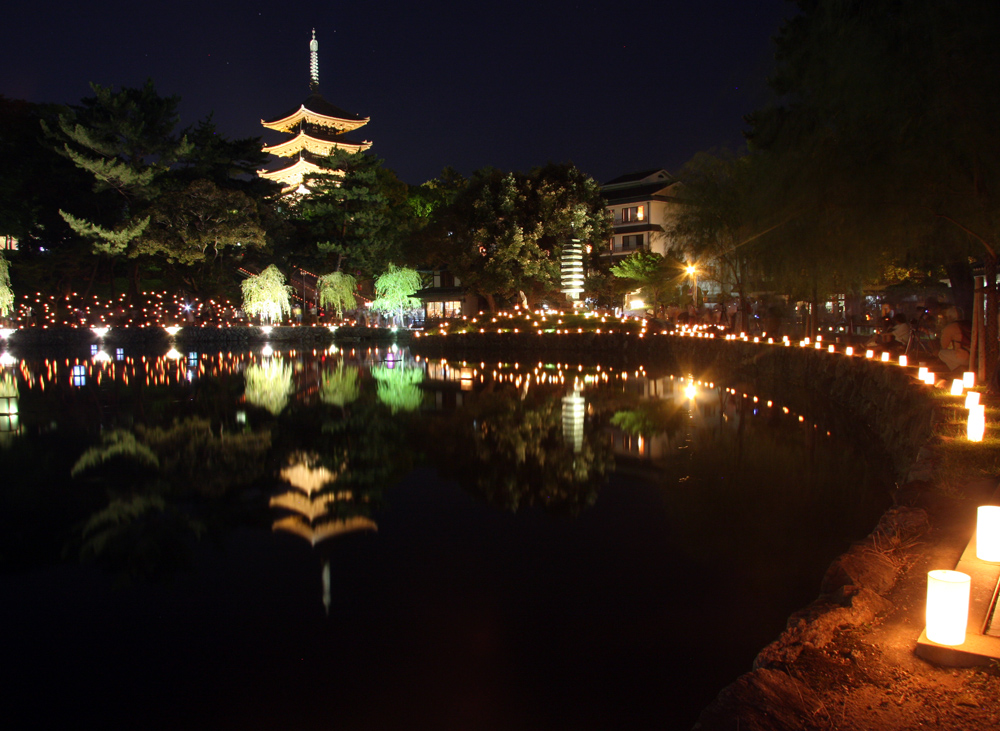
(362, 539)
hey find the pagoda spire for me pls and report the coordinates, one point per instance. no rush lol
(314, 64)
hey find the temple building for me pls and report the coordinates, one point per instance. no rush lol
(316, 128)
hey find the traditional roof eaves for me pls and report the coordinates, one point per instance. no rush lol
(344, 123)
(316, 145)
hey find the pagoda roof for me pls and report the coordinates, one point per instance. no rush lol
(317, 533)
(317, 141)
(318, 111)
(291, 177)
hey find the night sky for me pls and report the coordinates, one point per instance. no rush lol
(612, 88)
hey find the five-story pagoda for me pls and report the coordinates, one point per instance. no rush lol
(317, 128)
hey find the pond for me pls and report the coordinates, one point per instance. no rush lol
(365, 538)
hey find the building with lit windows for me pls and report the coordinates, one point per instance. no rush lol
(641, 205)
(315, 129)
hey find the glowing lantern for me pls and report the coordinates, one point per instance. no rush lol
(988, 533)
(947, 606)
(969, 379)
(976, 425)
(885, 357)
(957, 387)
(922, 373)
(830, 349)
(902, 360)
(869, 353)
(690, 391)
(971, 399)
(929, 378)
(849, 350)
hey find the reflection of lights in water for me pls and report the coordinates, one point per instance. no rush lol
(174, 354)
(6, 332)
(267, 351)
(241, 417)
(100, 331)
(78, 375)
(7, 360)
(690, 391)
(574, 407)
(101, 357)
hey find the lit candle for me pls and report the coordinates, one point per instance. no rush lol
(971, 399)
(902, 360)
(957, 387)
(969, 379)
(849, 350)
(885, 357)
(869, 353)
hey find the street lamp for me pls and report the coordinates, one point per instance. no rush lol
(692, 271)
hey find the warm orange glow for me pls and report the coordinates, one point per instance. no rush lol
(947, 606)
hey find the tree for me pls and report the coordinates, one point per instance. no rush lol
(654, 273)
(337, 291)
(125, 140)
(6, 290)
(885, 135)
(504, 232)
(266, 295)
(355, 212)
(394, 292)
(724, 219)
(199, 222)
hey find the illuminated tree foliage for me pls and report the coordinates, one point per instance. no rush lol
(269, 384)
(6, 289)
(503, 233)
(650, 271)
(200, 223)
(337, 291)
(266, 295)
(394, 292)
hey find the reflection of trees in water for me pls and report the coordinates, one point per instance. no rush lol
(650, 418)
(339, 387)
(269, 384)
(9, 417)
(156, 481)
(399, 387)
(514, 454)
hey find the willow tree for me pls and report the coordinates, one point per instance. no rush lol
(337, 291)
(6, 290)
(266, 295)
(394, 291)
